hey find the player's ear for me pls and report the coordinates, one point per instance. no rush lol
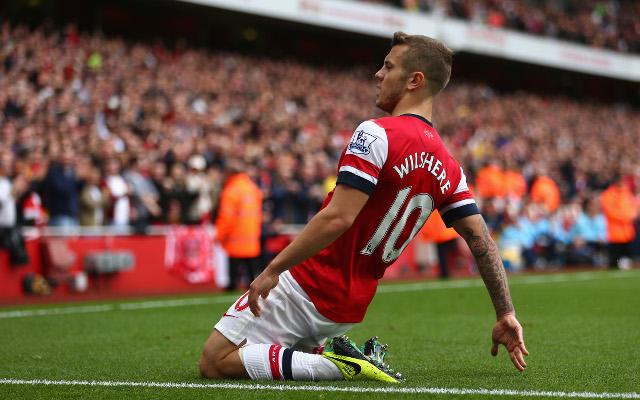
(416, 80)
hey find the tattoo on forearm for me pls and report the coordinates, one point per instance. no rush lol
(477, 244)
(491, 269)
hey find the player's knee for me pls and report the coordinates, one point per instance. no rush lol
(215, 366)
(210, 367)
(219, 360)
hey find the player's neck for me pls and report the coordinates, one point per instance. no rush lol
(423, 108)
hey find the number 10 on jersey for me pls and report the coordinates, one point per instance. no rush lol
(421, 201)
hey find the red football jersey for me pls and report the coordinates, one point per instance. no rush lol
(403, 165)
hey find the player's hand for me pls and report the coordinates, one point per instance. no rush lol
(508, 332)
(261, 287)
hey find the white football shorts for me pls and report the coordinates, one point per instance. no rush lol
(289, 319)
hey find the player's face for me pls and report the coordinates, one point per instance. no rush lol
(391, 80)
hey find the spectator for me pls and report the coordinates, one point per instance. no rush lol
(213, 189)
(516, 241)
(490, 181)
(198, 182)
(239, 222)
(94, 200)
(309, 194)
(10, 232)
(60, 191)
(119, 214)
(163, 185)
(284, 188)
(532, 232)
(144, 194)
(588, 235)
(181, 198)
(515, 184)
(561, 223)
(618, 205)
(32, 165)
(434, 230)
(546, 192)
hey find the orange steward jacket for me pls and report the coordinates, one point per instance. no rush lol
(545, 191)
(434, 230)
(240, 217)
(515, 184)
(618, 206)
(490, 182)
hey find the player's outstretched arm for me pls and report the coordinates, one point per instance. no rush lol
(507, 330)
(474, 231)
(325, 227)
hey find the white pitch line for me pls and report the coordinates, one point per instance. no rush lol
(115, 307)
(387, 288)
(319, 388)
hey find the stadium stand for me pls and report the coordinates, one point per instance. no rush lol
(165, 119)
(608, 24)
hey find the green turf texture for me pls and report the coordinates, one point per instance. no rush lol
(582, 331)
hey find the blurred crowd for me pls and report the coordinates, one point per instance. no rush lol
(100, 130)
(608, 24)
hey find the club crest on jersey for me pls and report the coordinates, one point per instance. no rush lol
(361, 142)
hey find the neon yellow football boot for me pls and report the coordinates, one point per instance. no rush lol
(357, 366)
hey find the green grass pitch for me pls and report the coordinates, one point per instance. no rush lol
(582, 330)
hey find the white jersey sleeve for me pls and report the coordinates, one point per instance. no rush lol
(364, 157)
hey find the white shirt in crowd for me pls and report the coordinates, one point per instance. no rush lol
(7, 204)
(121, 206)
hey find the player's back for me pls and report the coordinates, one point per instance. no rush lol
(402, 163)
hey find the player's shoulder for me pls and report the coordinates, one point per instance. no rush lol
(371, 125)
(381, 127)
(370, 128)
(385, 121)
